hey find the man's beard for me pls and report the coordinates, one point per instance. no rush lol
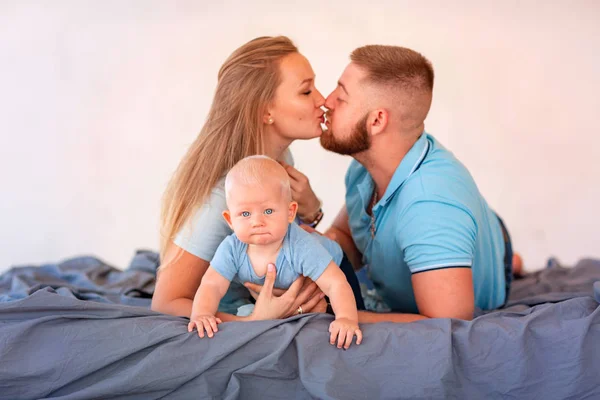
(358, 141)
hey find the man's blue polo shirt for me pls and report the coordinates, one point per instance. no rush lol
(431, 216)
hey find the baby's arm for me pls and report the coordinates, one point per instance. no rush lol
(206, 302)
(334, 284)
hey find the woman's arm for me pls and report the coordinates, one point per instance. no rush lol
(178, 278)
(177, 281)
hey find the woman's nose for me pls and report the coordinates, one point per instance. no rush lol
(319, 100)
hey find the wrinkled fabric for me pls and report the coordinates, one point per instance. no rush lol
(82, 329)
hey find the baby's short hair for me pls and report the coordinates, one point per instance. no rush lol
(257, 170)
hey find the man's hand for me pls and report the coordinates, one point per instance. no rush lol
(203, 323)
(343, 330)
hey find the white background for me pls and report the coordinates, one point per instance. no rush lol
(100, 99)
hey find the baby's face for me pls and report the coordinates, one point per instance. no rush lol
(259, 215)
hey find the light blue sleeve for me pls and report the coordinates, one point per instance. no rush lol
(225, 261)
(309, 257)
(206, 229)
(436, 235)
(331, 246)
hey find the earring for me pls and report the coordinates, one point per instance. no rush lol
(270, 120)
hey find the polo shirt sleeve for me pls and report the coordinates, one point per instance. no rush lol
(435, 235)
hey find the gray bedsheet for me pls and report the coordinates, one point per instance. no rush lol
(81, 330)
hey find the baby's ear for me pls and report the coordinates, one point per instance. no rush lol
(293, 209)
(227, 217)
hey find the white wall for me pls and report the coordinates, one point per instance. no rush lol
(100, 99)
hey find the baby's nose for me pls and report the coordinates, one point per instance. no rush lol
(258, 220)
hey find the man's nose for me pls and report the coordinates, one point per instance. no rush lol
(329, 101)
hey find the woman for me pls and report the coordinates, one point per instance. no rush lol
(265, 99)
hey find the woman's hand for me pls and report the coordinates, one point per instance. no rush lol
(308, 203)
(274, 303)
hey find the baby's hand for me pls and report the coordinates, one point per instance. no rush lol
(203, 323)
(344, 330)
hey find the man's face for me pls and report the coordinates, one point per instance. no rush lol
(347, 116)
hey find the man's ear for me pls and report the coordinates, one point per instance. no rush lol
(293, 209)
(377, 121)
(227, 216)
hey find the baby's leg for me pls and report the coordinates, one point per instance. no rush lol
(245, 310)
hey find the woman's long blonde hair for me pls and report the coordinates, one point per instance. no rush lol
(233, 129)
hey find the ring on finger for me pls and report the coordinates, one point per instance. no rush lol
(299, 310)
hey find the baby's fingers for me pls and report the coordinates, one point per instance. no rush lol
(334, 333)
(209, 331)
(349, 337)
(191, 326)
(358, 334)
(341, 338)
(213, 324)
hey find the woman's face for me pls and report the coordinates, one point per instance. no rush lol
(296, 109)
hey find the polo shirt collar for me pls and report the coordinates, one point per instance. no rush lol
(409, 164)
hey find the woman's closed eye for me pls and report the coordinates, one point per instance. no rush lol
(307, 92)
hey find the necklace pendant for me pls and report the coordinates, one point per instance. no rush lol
(372, 227)
(373, 202)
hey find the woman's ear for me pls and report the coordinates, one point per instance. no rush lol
(293, 209)
(268, 118)
(227, 216)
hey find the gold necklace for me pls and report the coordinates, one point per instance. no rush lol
(373, 213)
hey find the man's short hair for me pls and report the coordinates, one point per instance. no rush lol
(395, 65)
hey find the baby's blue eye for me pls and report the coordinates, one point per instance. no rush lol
(269, 211)
(245, 214)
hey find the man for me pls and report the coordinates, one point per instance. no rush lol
(413, 214)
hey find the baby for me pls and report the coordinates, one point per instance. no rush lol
(261, 214)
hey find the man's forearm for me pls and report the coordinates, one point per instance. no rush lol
(367, 317)
(347, 244)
